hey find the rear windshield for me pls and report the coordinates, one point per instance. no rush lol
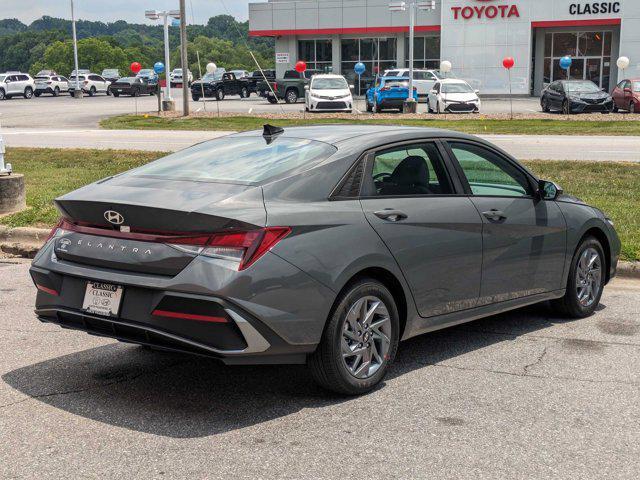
(239, 160)
(396, 84)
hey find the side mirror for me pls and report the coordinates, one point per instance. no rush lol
(352, 87)
(549, 190)
(434, 92)
(476, 91)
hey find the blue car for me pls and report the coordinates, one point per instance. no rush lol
(388, 92)
(149, 75)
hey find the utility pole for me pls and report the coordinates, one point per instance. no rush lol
(77, 92)
(410, 105)
(185, 60)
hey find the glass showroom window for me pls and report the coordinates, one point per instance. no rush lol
(426, 52)
(590, 52)
(316, 53)
(375, 53)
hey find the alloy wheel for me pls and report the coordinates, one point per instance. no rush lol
(588, 276)
(632, 107)
(366, 337)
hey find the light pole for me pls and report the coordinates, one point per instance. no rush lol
(167, 103)
(410, 105)
(77, 92)
(185, 60)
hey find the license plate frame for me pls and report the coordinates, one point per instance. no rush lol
(102, 298)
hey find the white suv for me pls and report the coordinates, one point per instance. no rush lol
(16, 84)
(175, 77)
(423, 80)
(90, 83)
(53, 84)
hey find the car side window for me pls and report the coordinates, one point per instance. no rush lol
(489, 174)
(627, 84)
(416, 169)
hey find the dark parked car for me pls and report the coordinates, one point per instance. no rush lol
(575, 96)
(626, 95)
(218, 85)
(134, 86)
(323, 245)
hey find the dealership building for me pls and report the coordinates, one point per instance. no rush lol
(474, 35)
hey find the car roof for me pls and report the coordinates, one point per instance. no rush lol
(452, 80)
(367, 136)
(394, 78)
(327, 75)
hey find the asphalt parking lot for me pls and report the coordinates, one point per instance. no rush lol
(64, 111)
(519, 395)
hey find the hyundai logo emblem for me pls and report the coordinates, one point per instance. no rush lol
(113, 217)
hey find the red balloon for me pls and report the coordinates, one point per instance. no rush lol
(301, 66)
(508, 62)
(135, 67)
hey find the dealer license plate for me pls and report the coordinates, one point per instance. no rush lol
(102, 299)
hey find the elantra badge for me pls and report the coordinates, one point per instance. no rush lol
(113, 217)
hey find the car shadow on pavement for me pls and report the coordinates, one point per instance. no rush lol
(184, 396)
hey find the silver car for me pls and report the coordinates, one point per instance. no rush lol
(323, 245)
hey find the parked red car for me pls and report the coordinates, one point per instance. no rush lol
(626, 95)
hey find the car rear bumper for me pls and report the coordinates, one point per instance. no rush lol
(269, 313)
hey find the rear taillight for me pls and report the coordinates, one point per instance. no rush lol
(245, 247)
(275, 87)
(384, 89)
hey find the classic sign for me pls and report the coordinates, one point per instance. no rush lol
(594, 7)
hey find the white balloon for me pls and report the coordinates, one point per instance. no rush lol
(623, 62)
(211, 67)
(445, 66)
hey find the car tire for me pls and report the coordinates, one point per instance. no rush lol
(37, 94)
(374, 107)
(588, 270)
(244, 93)
(108, 92)
(28, 92)
(2, 95)
(116, 94)
(136, 93)
(92, 91)
(369, 108)
(632, 108)
(545, 105)
(349, 330)
(291, 96)
(565, 108)
(220, 95)
(195, 97)
(56, 92)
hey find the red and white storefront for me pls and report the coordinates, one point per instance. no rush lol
(474, 35)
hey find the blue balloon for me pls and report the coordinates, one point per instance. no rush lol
(359, 68)
(158, 67)
(565, 63)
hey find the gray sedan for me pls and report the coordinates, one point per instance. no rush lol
(323, 245)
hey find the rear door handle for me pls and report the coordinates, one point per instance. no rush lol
(391, 215)
(494, 214)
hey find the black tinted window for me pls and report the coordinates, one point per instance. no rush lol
(410, 170)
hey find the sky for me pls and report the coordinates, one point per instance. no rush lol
(129, 10)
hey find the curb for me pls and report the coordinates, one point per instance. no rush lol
(26, 241)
